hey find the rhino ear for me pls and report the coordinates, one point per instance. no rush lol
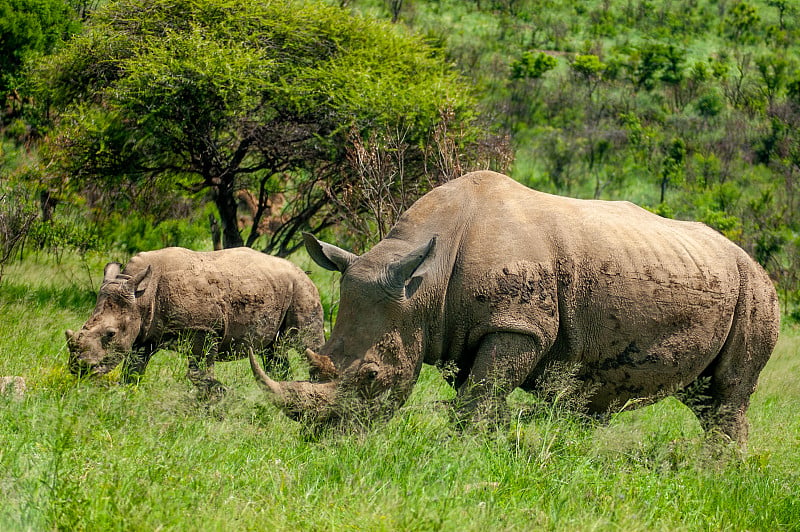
(328, 256)
(111, 271)
(409, 270)
(138, 283)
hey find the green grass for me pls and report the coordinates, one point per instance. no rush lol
(96, 456)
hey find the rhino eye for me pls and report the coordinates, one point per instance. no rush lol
(108, 336)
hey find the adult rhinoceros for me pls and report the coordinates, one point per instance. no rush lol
(502, 282)
(221, 301)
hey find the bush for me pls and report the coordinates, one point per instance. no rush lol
(16, 219)
(65, 234)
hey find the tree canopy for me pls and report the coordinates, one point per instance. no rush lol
(175, 96)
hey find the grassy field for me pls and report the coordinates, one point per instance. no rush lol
(98, 456)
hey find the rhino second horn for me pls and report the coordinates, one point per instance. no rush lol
(111, 271)
(324, 366)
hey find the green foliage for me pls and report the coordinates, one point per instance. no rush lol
(718, 78)
(589, 69)
(134, 232)
(29, 28)
(652, 62)
(741, 22)
(65, 234)
(710, 104)
(774, 71)
(532, 65)
(588, 66)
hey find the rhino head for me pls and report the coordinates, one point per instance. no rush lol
(110, 332)
(373, 357)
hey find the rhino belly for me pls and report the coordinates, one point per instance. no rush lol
(646, 339)
(241, 312)
(254, 321)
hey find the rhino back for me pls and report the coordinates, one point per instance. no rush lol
(234, 292)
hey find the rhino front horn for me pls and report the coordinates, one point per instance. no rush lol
(297, 398)
(270, 385)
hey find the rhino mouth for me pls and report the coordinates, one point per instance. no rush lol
(99, 371)
(84, 369)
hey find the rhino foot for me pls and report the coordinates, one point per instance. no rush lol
(211, 390)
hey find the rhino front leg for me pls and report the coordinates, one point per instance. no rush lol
(502, 363)
(205, 346)
(135, 363)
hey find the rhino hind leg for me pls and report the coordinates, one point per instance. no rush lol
(721, 394)
(502, 363)
(717, 413)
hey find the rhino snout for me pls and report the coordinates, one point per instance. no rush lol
(88, 358)
(80, 368)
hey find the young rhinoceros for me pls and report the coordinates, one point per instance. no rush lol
(502, 283)
(222, 301)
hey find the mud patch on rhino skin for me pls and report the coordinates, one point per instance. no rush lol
(629, 389)
(520, 283)
(631, 356)
(246, 301)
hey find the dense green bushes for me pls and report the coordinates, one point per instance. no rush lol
(29, 28)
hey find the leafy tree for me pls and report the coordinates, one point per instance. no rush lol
(525, 86)
(220, 95)
(672, 73)
(589, 69)
(774, 71)
(653, 62)
(710, 104)
(783, 7)
(741, 22)
(30, 27)
(672, 166)
(532, 65)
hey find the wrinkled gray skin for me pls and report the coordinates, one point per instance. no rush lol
(220, 301)
(504, 282)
